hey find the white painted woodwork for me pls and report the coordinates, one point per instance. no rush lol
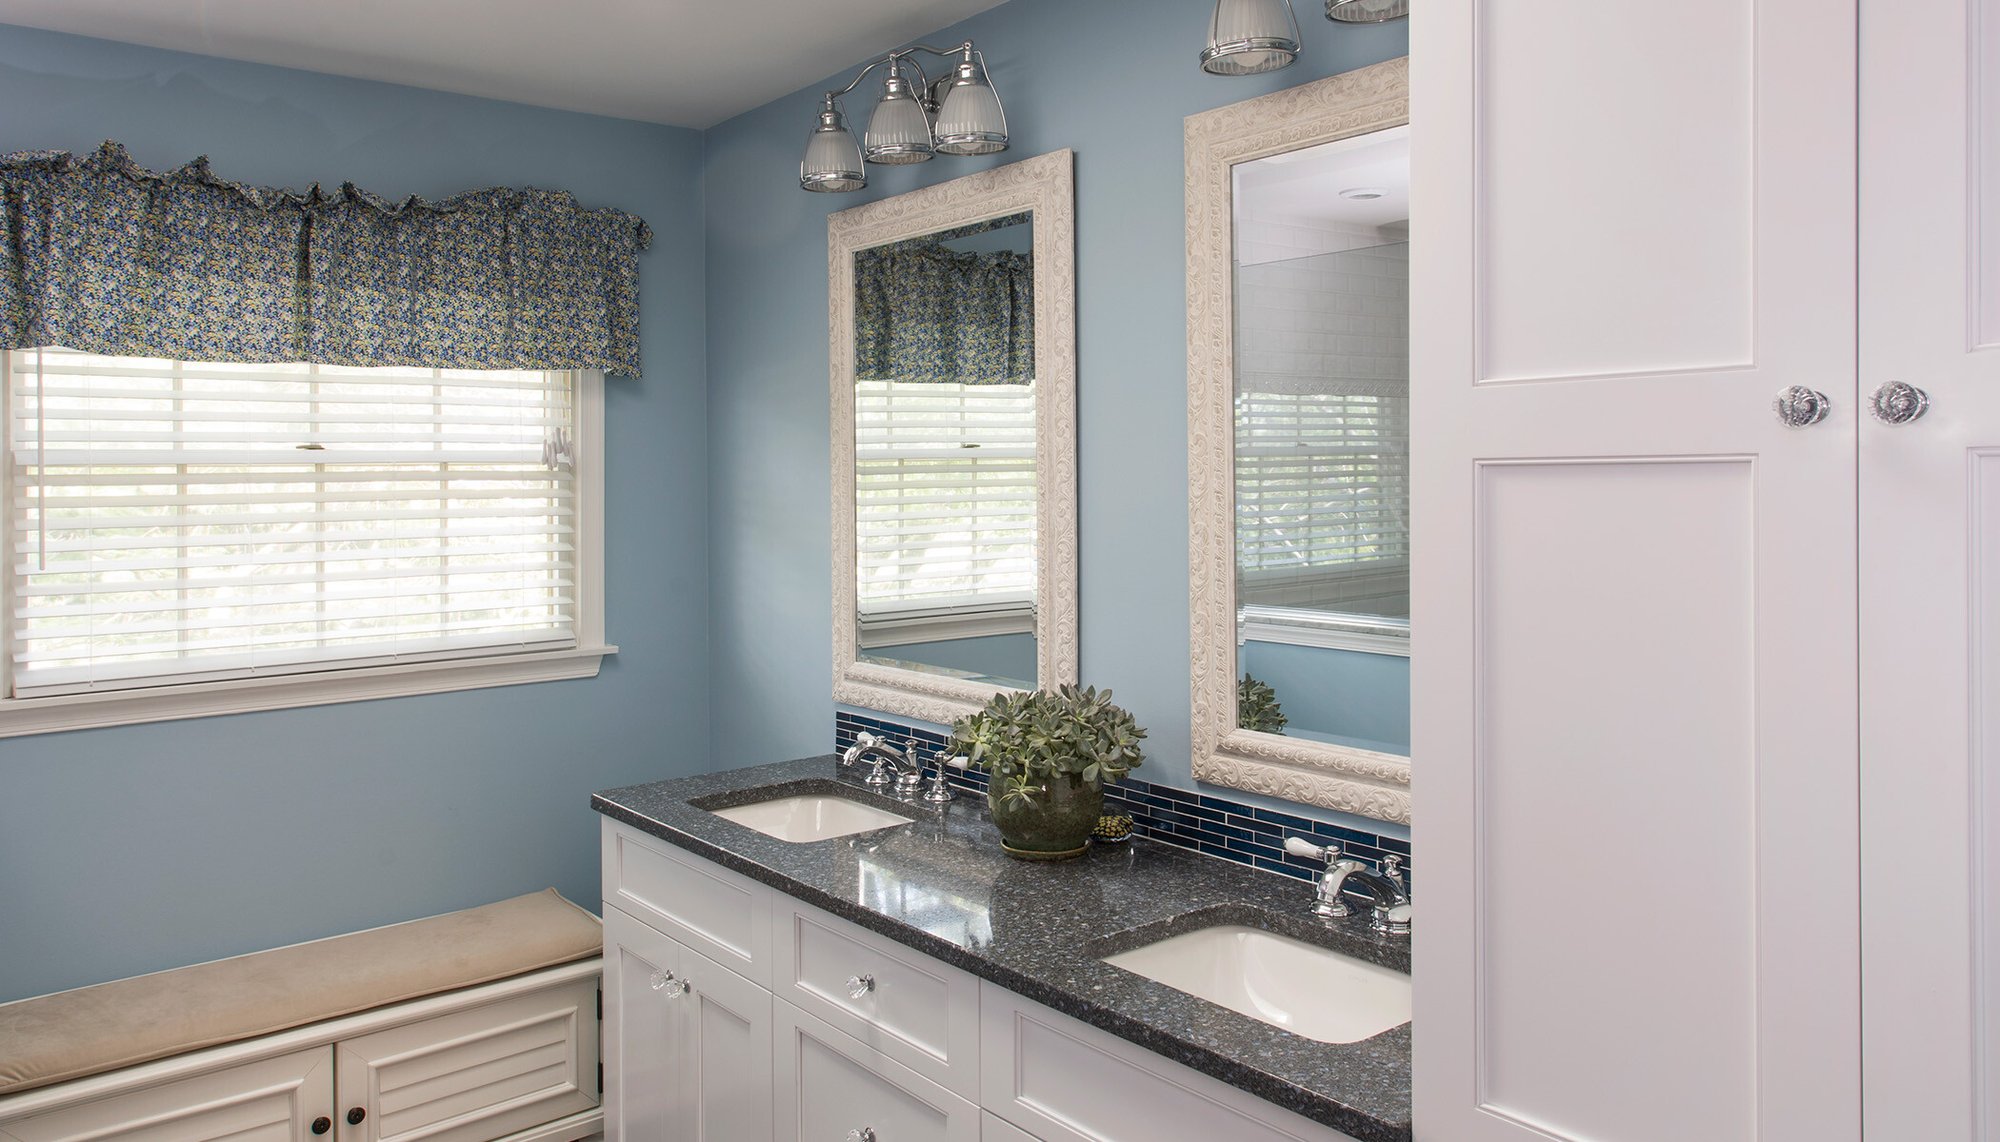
(473, 1075)
(722, 915)
(270, 1100)
(829, 1083)
(642, 1040)
(1069, 1082)
(1930, 570)
(993, 1128)
(920, 1012)
(725, 1055)
(1636, 666)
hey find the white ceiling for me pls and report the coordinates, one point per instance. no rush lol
(1304, 186)
(691, 63)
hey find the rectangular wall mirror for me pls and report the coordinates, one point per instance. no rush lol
(1299, 438)
(952, 347)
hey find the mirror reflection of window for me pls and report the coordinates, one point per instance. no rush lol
(1322, 441)
(945, 453)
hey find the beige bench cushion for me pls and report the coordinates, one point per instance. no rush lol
(52, 1038)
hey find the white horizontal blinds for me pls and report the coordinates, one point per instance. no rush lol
(1322, 490)
(175, 522)
(945, 495)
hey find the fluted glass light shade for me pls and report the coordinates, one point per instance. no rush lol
(898, 131)
(833, 158)
(971, 121)
(1366, 11)
(1250, 36)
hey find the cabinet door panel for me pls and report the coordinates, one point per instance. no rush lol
(1634, 585)
(1930, 570)
(643, 1039)
(702, 905)
(475, 1074)
(271, 1100)
(726, 1055)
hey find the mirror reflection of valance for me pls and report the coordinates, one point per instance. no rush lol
(930, 315)
(100, 255)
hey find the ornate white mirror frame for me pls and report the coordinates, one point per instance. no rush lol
(1353, 780)
(1043, 185)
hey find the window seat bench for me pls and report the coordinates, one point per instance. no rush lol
(472, 1026)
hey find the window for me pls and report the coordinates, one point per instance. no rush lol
(186, 538)
(1322, 501)
(945, 477)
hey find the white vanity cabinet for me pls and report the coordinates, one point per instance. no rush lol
(823, 1030)
(1707, 634)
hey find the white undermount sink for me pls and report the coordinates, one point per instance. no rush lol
(1287, 983)
(810, 817)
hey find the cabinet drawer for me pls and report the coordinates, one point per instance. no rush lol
(723, 916)
(1068, 1082)
(828, 1084)
(919, 1012)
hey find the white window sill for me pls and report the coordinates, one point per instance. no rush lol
(22, 716)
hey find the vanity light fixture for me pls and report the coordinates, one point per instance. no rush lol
(1366, 11)
(957, 113)
(1247, 37)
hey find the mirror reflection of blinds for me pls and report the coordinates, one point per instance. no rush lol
(175, 522)
(945, 495)
(1322, 481)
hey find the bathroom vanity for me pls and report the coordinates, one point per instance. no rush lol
(909, 981)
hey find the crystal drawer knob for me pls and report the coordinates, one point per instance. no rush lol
(665, 981)
(1800, 407)
(858, 986)
(861, 1134)
(1899, 403)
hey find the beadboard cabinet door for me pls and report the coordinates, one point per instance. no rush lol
(1634, 672)
(1930, 570)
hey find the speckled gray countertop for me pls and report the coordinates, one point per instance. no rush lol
(941, 885)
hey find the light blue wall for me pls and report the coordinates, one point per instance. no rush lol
(141, 848)
(1348, 696)
(1113, 80)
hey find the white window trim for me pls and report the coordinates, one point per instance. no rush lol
(1333, 631)
(943, 621)
(51, 714)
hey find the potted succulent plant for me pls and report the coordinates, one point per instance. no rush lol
(1049, 753)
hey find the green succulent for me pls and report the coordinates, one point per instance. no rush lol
(1257, 707)
(1026, 737)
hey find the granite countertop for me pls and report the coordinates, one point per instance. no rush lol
(942, 886)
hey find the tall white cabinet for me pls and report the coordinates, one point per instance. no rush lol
(1699, 705)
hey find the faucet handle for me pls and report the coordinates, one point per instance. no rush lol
(1300, 847)
(1392, 868)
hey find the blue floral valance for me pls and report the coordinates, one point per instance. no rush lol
(927, 314)
(100, 255)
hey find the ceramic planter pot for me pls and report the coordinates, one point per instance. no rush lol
(1053, 824)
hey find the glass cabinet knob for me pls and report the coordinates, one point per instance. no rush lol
(859, 986)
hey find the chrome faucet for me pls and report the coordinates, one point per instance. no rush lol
(900, 766)
(1391, 914)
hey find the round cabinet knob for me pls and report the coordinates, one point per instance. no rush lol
(859, 986)
(322, 1124)
(672, 985)
(1801, 407)
(355, 1115)
(1899, 403)
(861, 1134)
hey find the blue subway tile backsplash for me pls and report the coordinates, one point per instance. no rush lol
(1204, 822)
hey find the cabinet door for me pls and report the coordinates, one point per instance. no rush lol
(472, 1075)
(1930, 570)
(271, 1100)
(643, 1038)
(725, 1055)
(1635, 760)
